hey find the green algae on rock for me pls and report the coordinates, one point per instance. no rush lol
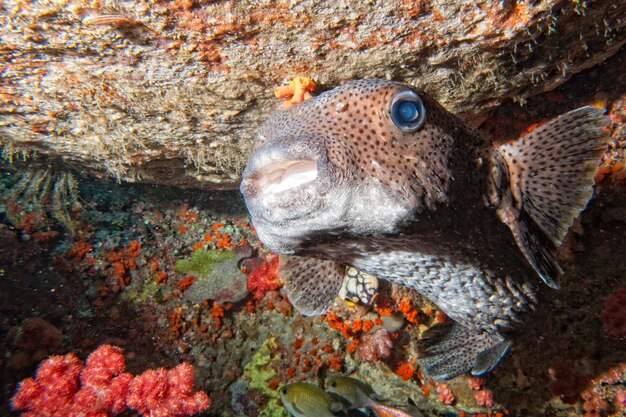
(218, 276)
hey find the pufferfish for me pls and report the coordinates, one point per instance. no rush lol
(376, 175)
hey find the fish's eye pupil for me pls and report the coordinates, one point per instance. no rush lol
(407, 110)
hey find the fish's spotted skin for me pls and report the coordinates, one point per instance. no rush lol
(376, 175)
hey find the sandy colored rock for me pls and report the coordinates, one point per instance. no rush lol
(172, 92)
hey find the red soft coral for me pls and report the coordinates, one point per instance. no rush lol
(64, 386)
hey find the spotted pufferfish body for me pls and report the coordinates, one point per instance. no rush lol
(376, 175)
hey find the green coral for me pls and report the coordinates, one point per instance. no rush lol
(259, 370)
(201, 261)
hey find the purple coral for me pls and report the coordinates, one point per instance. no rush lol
(375, 346)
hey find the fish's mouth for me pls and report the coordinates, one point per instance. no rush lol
(277, 177)
(285, 186)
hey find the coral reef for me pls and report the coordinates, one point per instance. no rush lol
(113, 279)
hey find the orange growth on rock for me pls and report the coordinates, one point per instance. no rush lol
(327, 348)
(334, 362)
(608, 167)
(274, 382)
(44, 236)
(405, 371)
(264, 277)
(161, 276)
(297, 344)
(119, 269)
(134, 248)
(336, 323)
(217, 313)
(368, 325)
(222, 240)
(198, 245)
(305, 365)
(249, 306)
(352, 345)
(154, 264)
(298, 90)
(409, 312)
(186, 282)
(291, 372)
(79, 250)
(174, 319)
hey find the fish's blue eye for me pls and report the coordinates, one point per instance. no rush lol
(407, 110)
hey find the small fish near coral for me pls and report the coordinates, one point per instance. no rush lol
(376, 175)
(302, 399)
(355, 394)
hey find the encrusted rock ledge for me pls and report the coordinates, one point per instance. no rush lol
(171, 92)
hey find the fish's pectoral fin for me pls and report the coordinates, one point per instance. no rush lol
(311, 283)
(551, 176)
(449, 349)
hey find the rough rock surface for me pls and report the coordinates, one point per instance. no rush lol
(171, 92)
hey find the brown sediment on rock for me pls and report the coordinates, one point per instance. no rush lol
(171, 92)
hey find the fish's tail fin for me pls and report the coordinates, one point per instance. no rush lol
(551, 176)
(449, 349)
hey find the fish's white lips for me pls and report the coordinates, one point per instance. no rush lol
(280, 176)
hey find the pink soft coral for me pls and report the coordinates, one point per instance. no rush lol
(444, 393)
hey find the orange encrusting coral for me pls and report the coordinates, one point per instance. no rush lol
(79, 250)
(186, 282)
(217, 313)
(298, 90)
(409, 312)
(264, 277)
(405, 371)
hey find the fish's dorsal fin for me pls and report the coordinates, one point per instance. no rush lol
(312, 284)
(551, 172)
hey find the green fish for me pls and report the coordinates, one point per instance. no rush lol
(307, 400)
(356, 394)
